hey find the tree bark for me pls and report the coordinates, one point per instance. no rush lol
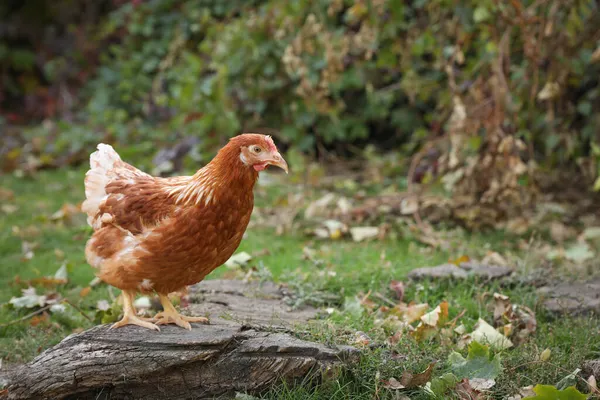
(242, 350)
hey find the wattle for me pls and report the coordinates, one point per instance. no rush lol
(260, 167)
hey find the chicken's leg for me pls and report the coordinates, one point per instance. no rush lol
(171, 316)
(129, 317)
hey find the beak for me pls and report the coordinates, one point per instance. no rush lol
(278, 161)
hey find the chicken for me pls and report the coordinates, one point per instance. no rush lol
(160, 235)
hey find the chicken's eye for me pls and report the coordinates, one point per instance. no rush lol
(256, 149)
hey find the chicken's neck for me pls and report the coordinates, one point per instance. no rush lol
(218, 178)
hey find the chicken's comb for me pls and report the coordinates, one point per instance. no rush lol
(270, 143)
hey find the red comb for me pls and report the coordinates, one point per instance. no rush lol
(270, 143)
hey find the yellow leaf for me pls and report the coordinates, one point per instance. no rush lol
(545, 356)
(460, 260)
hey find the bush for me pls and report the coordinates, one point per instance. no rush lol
(336, 72)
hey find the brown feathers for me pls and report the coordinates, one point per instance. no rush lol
(162, 234)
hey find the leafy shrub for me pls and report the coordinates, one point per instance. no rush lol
(352, 71)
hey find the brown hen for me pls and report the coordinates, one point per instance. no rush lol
(160, 235)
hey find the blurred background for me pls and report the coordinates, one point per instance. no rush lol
(452, 81)
(417, 133)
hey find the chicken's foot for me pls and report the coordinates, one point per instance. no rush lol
(169, 315)
(129, 316)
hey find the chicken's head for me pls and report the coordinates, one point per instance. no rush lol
(259, 151)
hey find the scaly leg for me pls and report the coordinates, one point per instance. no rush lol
(171, 316)
(129, 317)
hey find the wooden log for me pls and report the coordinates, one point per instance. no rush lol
(215, 360)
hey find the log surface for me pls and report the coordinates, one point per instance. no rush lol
(210, 361)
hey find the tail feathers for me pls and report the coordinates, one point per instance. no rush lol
(102, 162)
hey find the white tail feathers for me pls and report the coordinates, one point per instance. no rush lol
(102, 162)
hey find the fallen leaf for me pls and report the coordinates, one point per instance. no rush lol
(478, 364)
(560, 233)
(95, 281)
(502, 305)
(102, 305)
(440, 387)
(411, 380)
(579, 253)
(398, 288)
(481, 384)
(65, 212)
(548, 392)
(410, 313)
(142, 303)
(362, 339)
(545, 355)
(461, 329)
(61, 274)
(334, 229)
(395, 338)
(460, 260)
(591, 381)
(58, 308)
(424, 332)
(361, 233)
(27, 250)
(38, 319)
(60, 255)
(238, 260)
(9, 208)
(319, 207)
(366, 302)
(85, 291)
(393, 384)
(30, 299)
(409, 205)
(438, 316)
(485, 333)
(569, 380)
(465, 390)
(549, 91)
(493, 258)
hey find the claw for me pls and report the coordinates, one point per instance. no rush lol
(133, 320)
(129, 317)
(171, 316)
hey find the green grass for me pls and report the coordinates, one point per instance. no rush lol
(344, 270)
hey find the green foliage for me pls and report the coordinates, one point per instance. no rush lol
(344, 71)
(548, 392)
(478, 364)
(440, 386)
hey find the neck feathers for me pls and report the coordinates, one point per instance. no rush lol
(226, 173)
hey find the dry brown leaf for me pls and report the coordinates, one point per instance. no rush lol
(423, 332)
(593, 385)
(85, 291)
(438, 316)
(517, 321)
(494, 258)
(465, 391)
(410, 380)
(502, 306)
(366, 302)
(65, 212)
(395, 338)
(398, 288)
(393, 384)
(411, 312)
(362, 339)
(38, 319)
